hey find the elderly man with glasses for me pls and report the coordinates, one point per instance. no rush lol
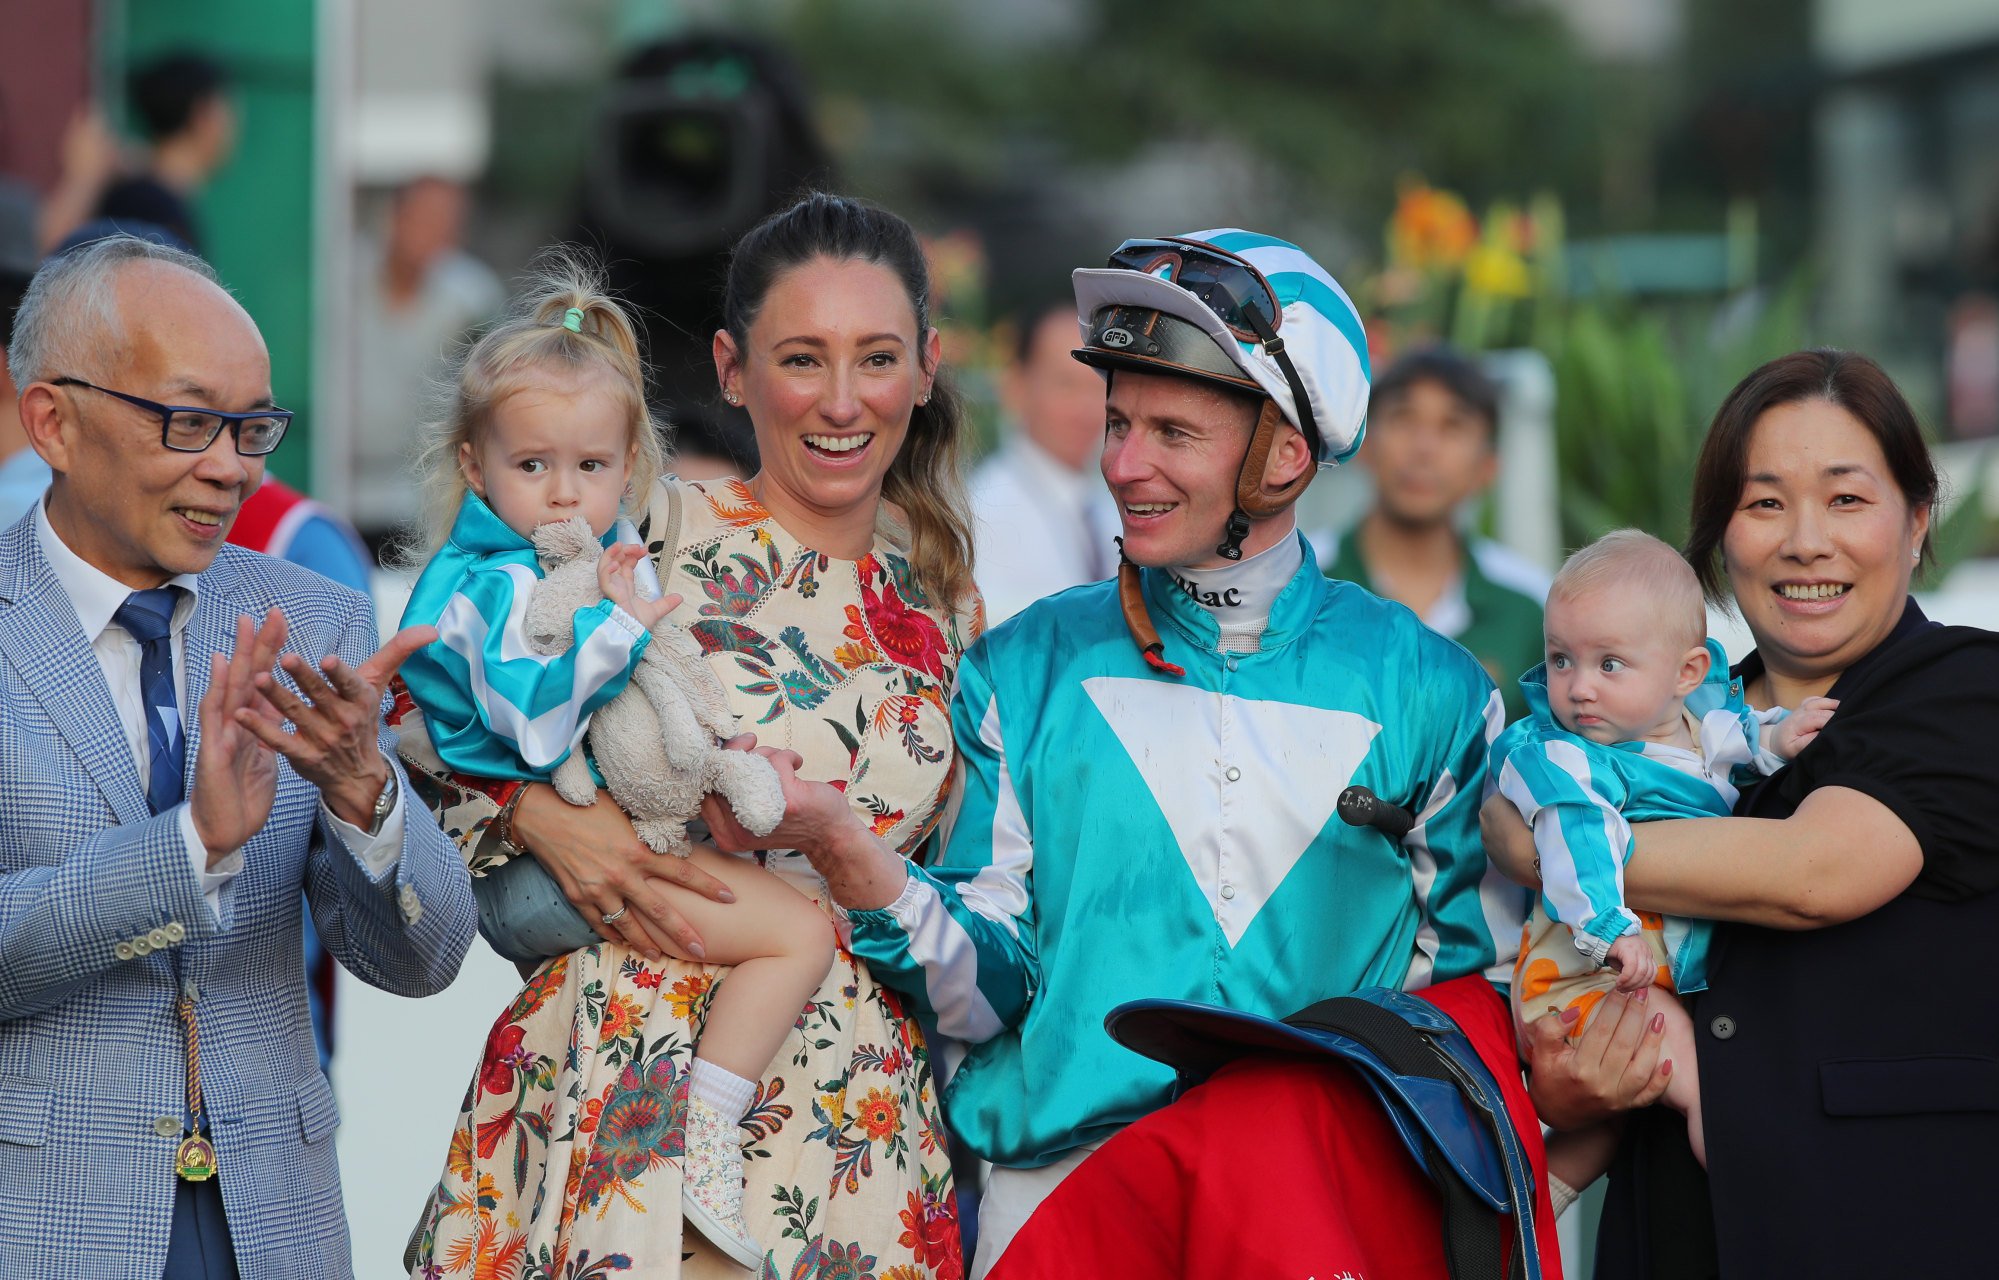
(191, 735)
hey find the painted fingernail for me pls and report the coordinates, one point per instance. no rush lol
(726, 896)
(1642, 993)
(1666, 1067)
(1658, 1022)
(1571, 1013)
(697, 951)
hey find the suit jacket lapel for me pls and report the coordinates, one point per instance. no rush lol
(40, 635)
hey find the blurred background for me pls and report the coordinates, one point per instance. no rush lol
(1623, 204)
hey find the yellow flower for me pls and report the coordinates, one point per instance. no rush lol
(459, 1159)
(852, 657)
(1497, 271)
(687, 992)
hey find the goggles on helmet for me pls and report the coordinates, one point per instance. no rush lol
(1232, 288)
(1235, 291)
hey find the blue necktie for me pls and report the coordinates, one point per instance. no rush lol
(149, 615)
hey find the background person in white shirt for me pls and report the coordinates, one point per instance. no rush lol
(1043, 520)
(418, 296)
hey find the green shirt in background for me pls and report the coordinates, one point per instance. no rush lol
(1494, 610)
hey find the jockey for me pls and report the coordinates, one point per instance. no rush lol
(1151, 763)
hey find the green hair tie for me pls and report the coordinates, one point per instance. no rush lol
(572, 319)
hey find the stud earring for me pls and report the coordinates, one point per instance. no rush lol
(732, 397)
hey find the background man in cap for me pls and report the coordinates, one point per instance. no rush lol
(1150, 764)
(164, 1113)
(1432, 446)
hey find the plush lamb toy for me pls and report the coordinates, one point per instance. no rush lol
(655, 743)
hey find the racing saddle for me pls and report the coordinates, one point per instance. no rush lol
(1442, 1099)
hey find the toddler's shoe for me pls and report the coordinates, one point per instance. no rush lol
(711, 1183)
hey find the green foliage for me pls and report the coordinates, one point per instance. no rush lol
(1635, 385)
(1341, 96)
(1348, 94)
(1625, 441)
(1967, 529)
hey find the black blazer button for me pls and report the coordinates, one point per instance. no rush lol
(1722, 1028)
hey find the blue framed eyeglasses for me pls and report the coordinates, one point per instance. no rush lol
(191, 429)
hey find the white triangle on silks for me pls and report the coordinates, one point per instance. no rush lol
(1294, 762)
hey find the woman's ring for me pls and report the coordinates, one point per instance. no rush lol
(617, 915)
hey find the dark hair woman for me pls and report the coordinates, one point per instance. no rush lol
(831, 593)
(1851, 1095)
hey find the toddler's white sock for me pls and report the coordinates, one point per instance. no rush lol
(721, 1089)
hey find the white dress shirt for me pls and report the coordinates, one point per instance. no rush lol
(96, 595)
(1038, 528)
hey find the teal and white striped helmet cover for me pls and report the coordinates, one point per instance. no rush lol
(1320, 329)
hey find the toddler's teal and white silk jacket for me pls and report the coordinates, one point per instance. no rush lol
(496, 708)
(1581, 798)
(1125, 833)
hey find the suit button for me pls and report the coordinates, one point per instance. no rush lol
(1722, 1028)
(176, 931)
(412, 909)
(124, 951)
(166, 1126)
(159, 939)
(141, 946)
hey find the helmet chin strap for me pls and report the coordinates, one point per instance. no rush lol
(1131, 602)
(1252, 500)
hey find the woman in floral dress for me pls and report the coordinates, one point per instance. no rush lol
(832, 593)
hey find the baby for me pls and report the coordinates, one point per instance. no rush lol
(1633, 718)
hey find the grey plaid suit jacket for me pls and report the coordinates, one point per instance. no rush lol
(92, 1070)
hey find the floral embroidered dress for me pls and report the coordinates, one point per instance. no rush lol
(565, 1162)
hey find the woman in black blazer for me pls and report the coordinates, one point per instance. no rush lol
(1848, 1041)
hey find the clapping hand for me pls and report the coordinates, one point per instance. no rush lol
(235, 773)
(335, 715)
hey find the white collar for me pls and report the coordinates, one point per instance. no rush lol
(93, 593)
(1450, 613)
(1239, 595)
